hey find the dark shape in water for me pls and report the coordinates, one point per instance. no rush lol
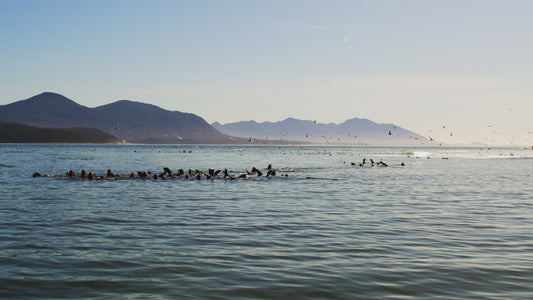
(167, 171)
(255, 170)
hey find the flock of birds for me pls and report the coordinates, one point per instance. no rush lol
(389, 133)
(446, 132)
(169, 174)
(308, 135)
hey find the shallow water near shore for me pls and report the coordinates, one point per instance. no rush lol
(451, 223)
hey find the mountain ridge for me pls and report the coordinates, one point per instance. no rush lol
(354, 131)
(137, 122)
(128, 121)
(19, 133)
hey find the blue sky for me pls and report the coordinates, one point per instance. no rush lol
(466, 65)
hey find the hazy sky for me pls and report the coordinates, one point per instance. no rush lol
(466, 65)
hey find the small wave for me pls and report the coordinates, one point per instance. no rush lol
(288, 169)
(321, 178)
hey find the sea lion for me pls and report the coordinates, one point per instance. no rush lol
(256, 171)
(226, 175)
(271, 173)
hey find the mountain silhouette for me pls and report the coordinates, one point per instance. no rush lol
(351, 132)
(128, 121)
(18, 133)
(136, 122)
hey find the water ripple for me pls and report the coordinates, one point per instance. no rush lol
(453, 229)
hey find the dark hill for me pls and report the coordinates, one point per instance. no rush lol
(47, 110)
(135, 122)
(18, 133)
(128, 121)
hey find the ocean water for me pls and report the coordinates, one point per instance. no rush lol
(453, 223)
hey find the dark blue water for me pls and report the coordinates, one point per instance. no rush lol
(452, 228)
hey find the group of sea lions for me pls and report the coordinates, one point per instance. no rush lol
(169, 174)
(372, 163)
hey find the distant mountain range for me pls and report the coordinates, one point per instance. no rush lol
(128, 121)
(135, 122)
(352, 132)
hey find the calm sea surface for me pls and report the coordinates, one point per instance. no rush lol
(459, 227)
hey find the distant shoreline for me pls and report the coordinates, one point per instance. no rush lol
(280, 145)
